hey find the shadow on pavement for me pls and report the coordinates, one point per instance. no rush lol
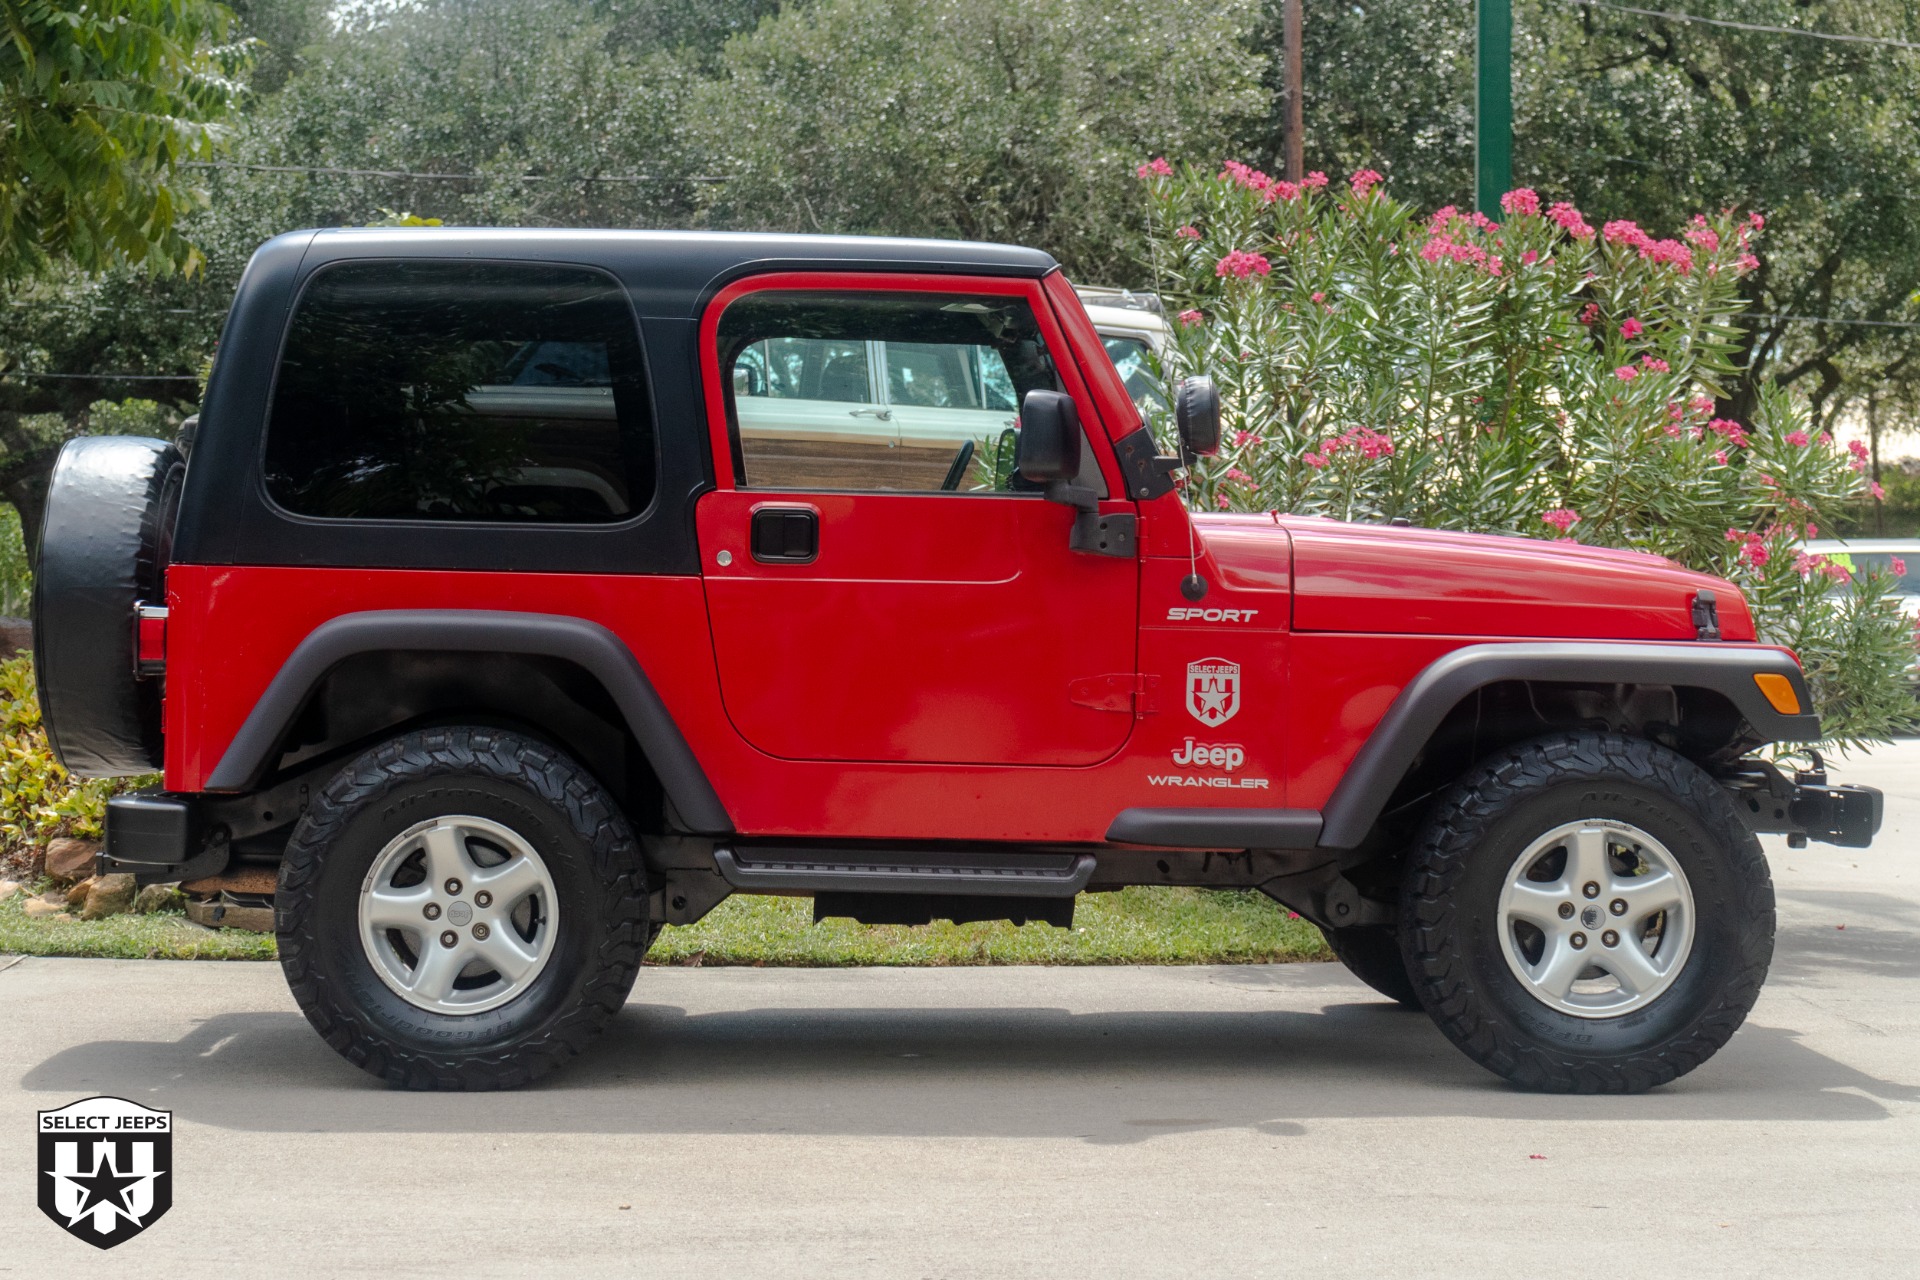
(1882, 935)
(1099, 1077)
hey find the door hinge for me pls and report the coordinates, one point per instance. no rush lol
(1128, 692)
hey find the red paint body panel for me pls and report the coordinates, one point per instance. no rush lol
(1380, 579)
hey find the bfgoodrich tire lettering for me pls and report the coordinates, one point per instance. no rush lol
(1450, 921)
(523, 786)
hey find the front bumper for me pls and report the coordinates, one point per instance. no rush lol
(1805, 808)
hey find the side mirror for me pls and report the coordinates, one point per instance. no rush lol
(1196, 412)
(1049, 447)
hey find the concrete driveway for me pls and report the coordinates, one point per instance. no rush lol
(1267, 1120)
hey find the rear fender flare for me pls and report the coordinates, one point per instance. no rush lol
(587, 644)
(1361, 797)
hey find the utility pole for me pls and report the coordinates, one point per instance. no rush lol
(1296, 111)
(1493, 106)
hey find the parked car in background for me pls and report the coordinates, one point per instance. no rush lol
(1133, 327)
(1864, 555)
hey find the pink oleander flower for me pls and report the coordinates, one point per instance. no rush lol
(1569, 220)
(1673, 429)
(1561, 518)
(1626, 232)
(1241, 439)
(1188, 233)
(1521, 201)
(1653, 364)
(1757, 222)
(1720, 456)
(1747, 262)
(1879, 494)
(1241, 477)
(1626, 373)
(1631, 328)
(1798, 439)
(1314, 460)
(1753, 548)
(1319, 297)
(1280, 189)
(1898, 566)
(1530, 257)
(1364, 181)
(1222, 501)
(1190, 316)
(1669, 253)
(1702, 404)
(1703, 237)
(1241, 264)
(1826, 439)
(1590, 314)
(1314, 181)
(1157, 168)
(1735, 434)
(1243, 175)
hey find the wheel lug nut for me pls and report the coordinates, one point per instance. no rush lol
(1592, 890)
(1578, 942)
(1611, 938)
(483, 899)
(449, 938)
(1566, 911)
(481, 931)
(453, 888)
(431, 911)
(1618, 906)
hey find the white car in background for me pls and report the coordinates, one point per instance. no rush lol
(1133, 326)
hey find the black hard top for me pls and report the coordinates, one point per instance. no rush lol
(669, 273)
(226, 518)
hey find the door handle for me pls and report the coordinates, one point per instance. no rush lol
(885, 415)
(785, 535)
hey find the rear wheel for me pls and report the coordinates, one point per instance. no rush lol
(461, 909)
(1587, 914)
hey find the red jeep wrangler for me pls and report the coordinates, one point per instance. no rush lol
(520, 592)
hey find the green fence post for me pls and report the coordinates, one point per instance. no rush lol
(1493, 106)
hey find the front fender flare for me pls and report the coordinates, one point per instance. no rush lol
(1356, 804)
(587, 644)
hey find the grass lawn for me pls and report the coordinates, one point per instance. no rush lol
(165, 935)
(1134, 926)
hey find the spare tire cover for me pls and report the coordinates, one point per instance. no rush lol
(104, 546)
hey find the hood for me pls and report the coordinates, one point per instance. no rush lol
(1385, 579)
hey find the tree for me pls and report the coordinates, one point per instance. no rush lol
(1635, 116)
(98, 105)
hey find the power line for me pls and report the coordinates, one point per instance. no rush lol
(1741, 26)
(105, 377)
(456, 177)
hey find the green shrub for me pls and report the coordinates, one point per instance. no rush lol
(1533, 377)
(16, 567)
(38, 798)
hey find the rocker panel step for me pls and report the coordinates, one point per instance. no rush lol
(1012, 875)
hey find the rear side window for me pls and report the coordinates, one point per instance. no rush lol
(509, 392)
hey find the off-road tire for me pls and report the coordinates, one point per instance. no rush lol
(599, 889)
(1372, 954)
(1471, 839)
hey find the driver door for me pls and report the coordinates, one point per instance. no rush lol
(890, 595)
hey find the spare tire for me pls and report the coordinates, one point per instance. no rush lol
(105, 542)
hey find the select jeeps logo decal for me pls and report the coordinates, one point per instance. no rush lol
(106, 1168)
(1213, 691)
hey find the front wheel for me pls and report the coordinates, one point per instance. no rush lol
(461, 909)
(1586, 913)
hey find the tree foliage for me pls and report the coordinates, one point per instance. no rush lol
(98, 104)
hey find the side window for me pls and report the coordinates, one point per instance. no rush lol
(508, 392)
(896, 391)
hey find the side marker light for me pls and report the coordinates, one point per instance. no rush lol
(1779, 691)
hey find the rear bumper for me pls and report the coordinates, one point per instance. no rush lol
(161, 837)
(1805, 808)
